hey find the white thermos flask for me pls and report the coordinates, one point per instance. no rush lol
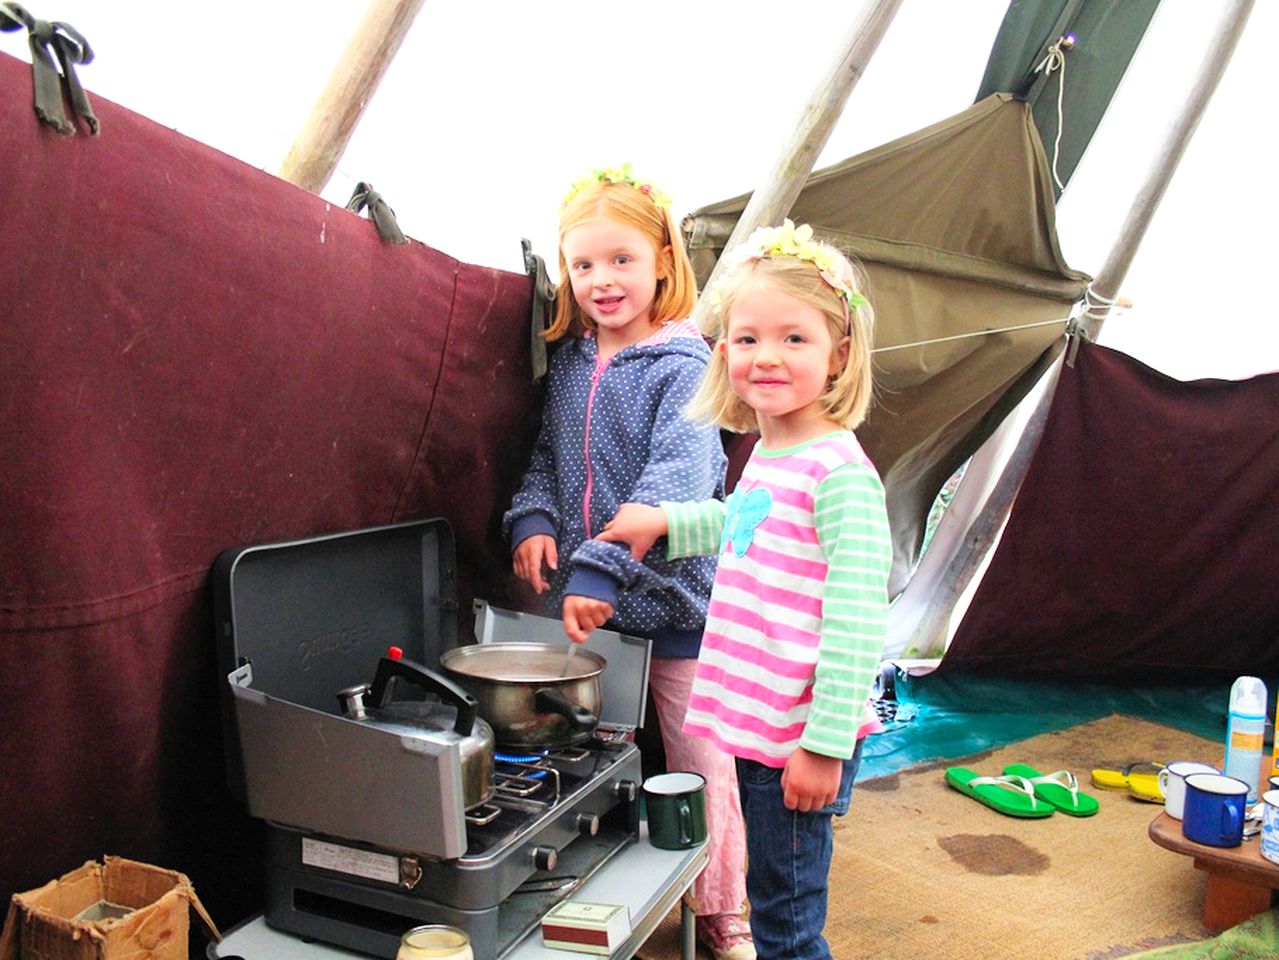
(1246, 733)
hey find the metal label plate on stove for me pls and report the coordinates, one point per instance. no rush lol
(357, 863)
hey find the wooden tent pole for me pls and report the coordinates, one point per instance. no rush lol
(931, 633)
(772, 201)
(315, 153)
(1113, 271)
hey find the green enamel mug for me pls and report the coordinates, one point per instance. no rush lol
(676, 805)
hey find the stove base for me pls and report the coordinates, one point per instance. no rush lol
(372, 920)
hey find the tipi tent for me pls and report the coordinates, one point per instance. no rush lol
(196, 356)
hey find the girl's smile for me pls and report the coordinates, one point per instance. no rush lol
(608, 304)
(780, 357)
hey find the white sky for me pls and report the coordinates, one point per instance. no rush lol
(492, 108)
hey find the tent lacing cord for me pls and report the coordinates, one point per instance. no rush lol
(1094, 306)
(1062, 321)
(1055, 59)
(47, 80)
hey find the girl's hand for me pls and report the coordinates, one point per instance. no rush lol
(810, 781)
(637, 525)
(529, 557)
(582, 615)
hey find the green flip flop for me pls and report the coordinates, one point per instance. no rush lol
(1010, 795)
(1059, 788)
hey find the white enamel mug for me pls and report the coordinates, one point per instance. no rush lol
(1270, 825)
(1172, 784)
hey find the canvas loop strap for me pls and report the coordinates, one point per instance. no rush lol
(47, 41)
(540, 315)
(383, 216)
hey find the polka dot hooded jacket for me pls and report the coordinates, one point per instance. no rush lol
(612, 434)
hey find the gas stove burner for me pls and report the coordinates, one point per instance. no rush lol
(526, 777)
(526, 761)
(519, 757)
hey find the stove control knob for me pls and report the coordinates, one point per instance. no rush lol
(626, 790)
(545, 858)
(588, 824)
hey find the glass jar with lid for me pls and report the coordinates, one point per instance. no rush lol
(435, 941)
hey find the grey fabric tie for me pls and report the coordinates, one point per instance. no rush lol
(49, 40)
(543, 304)
(383, 216)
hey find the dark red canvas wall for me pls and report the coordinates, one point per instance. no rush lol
(195, 355)
(1144, 543)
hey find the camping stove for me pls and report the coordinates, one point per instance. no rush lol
(369, 832)
(554, 819)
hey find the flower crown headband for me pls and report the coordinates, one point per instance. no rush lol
(789, 240)
(620, 174)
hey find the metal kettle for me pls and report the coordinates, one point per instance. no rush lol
(454, 713)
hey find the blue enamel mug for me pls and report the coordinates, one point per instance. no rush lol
(1214, 809)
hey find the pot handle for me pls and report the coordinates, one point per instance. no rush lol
(389, 668)
(551, 700)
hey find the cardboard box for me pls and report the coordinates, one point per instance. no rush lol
(586, 927)
(117, 910)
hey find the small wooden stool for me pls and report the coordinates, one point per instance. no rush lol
(1241, 882)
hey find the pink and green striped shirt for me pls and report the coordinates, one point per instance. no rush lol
(795, 627)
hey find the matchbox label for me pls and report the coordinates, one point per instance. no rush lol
(358, 863)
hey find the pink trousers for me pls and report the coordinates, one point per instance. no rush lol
(721, 888)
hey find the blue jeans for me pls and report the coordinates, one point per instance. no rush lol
(788, 860)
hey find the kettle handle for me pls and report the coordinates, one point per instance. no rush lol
(389, 668)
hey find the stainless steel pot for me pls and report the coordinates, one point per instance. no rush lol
(522, 694)
(456, 711)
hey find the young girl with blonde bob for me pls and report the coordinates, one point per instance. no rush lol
(795, 627)
(614, 429)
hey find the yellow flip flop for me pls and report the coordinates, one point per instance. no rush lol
(1136, 778)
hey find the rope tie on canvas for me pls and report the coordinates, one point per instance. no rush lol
(1055, 60)
(1094, 307)
(50, 40)
(383, 216)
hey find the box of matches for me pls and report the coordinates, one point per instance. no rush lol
(586, 927)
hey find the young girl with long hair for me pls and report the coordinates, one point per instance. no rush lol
(795, 628)
(613, 430)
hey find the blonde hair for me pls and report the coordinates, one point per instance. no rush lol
(676, 285)
(847, 396)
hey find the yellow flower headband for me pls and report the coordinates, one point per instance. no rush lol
(789, 240)
(620, 174)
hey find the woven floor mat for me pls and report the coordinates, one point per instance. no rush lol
(921, 870)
